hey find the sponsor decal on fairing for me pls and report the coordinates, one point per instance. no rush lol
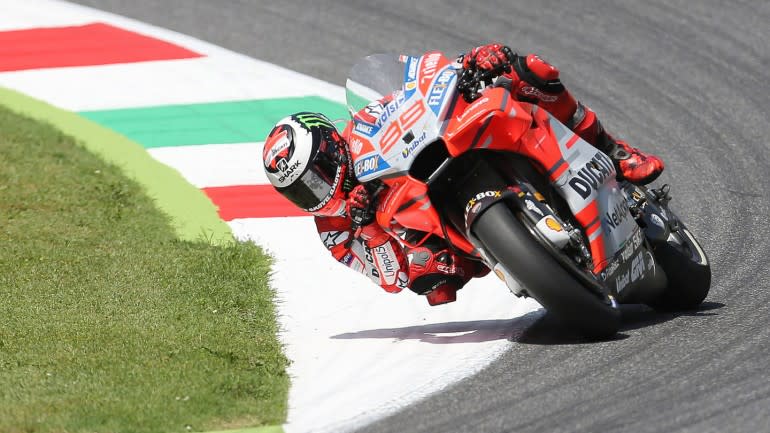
(366, 129)
(390, 108)
(411, 69)
(627, 251)
(631, 245)
(439, 90)
(637, 267)
(616, 216)
(429, 67)
(410, 75)
(632, 274)
(473, 107)
(593, 174)
(611, 268)
(622, 281)
(370, 165)
(553, 231)
(414, 145)
(355, 145)
(531, 206)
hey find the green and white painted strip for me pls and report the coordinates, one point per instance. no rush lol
(214, 122)
(194, 216)
(357, 353)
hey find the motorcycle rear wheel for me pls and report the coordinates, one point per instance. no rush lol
(538, 268)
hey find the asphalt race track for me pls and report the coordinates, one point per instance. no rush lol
(687, 80)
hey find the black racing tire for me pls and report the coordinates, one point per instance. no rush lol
(688, 271)
(542, 275)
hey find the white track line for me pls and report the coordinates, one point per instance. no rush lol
(41, 13)
(203, 165)
(221, 77)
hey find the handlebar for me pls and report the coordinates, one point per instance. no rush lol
(471, 80)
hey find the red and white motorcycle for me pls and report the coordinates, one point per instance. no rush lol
(506, 183)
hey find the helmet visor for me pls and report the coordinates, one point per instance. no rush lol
(316, 186)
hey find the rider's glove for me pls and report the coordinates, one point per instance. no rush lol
(361, 210)
(491, 58)
(359, 206)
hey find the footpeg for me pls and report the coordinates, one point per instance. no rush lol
(662, 194)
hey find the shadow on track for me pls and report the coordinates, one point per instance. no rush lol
(537, 327)
(549, 331)
(453, 332)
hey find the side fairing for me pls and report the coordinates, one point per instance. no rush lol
(588, 185)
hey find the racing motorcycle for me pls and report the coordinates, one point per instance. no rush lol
(505, 183)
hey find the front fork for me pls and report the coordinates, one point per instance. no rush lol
(527, 201)
(650, 209)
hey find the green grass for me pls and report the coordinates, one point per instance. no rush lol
(109, 322)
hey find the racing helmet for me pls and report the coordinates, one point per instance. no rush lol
(307, 161)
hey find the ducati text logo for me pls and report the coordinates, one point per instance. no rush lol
(595, 172)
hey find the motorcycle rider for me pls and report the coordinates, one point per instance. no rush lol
(309, 162)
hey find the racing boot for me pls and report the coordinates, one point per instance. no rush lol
(438, 273)
(633, 165)
(630, 163)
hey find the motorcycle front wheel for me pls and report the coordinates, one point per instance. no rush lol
(687, 269)
(545, 274)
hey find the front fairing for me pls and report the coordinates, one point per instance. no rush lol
(397, 104)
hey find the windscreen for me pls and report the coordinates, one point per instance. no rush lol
(373, 78)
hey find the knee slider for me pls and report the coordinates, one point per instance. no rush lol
(427, 283)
